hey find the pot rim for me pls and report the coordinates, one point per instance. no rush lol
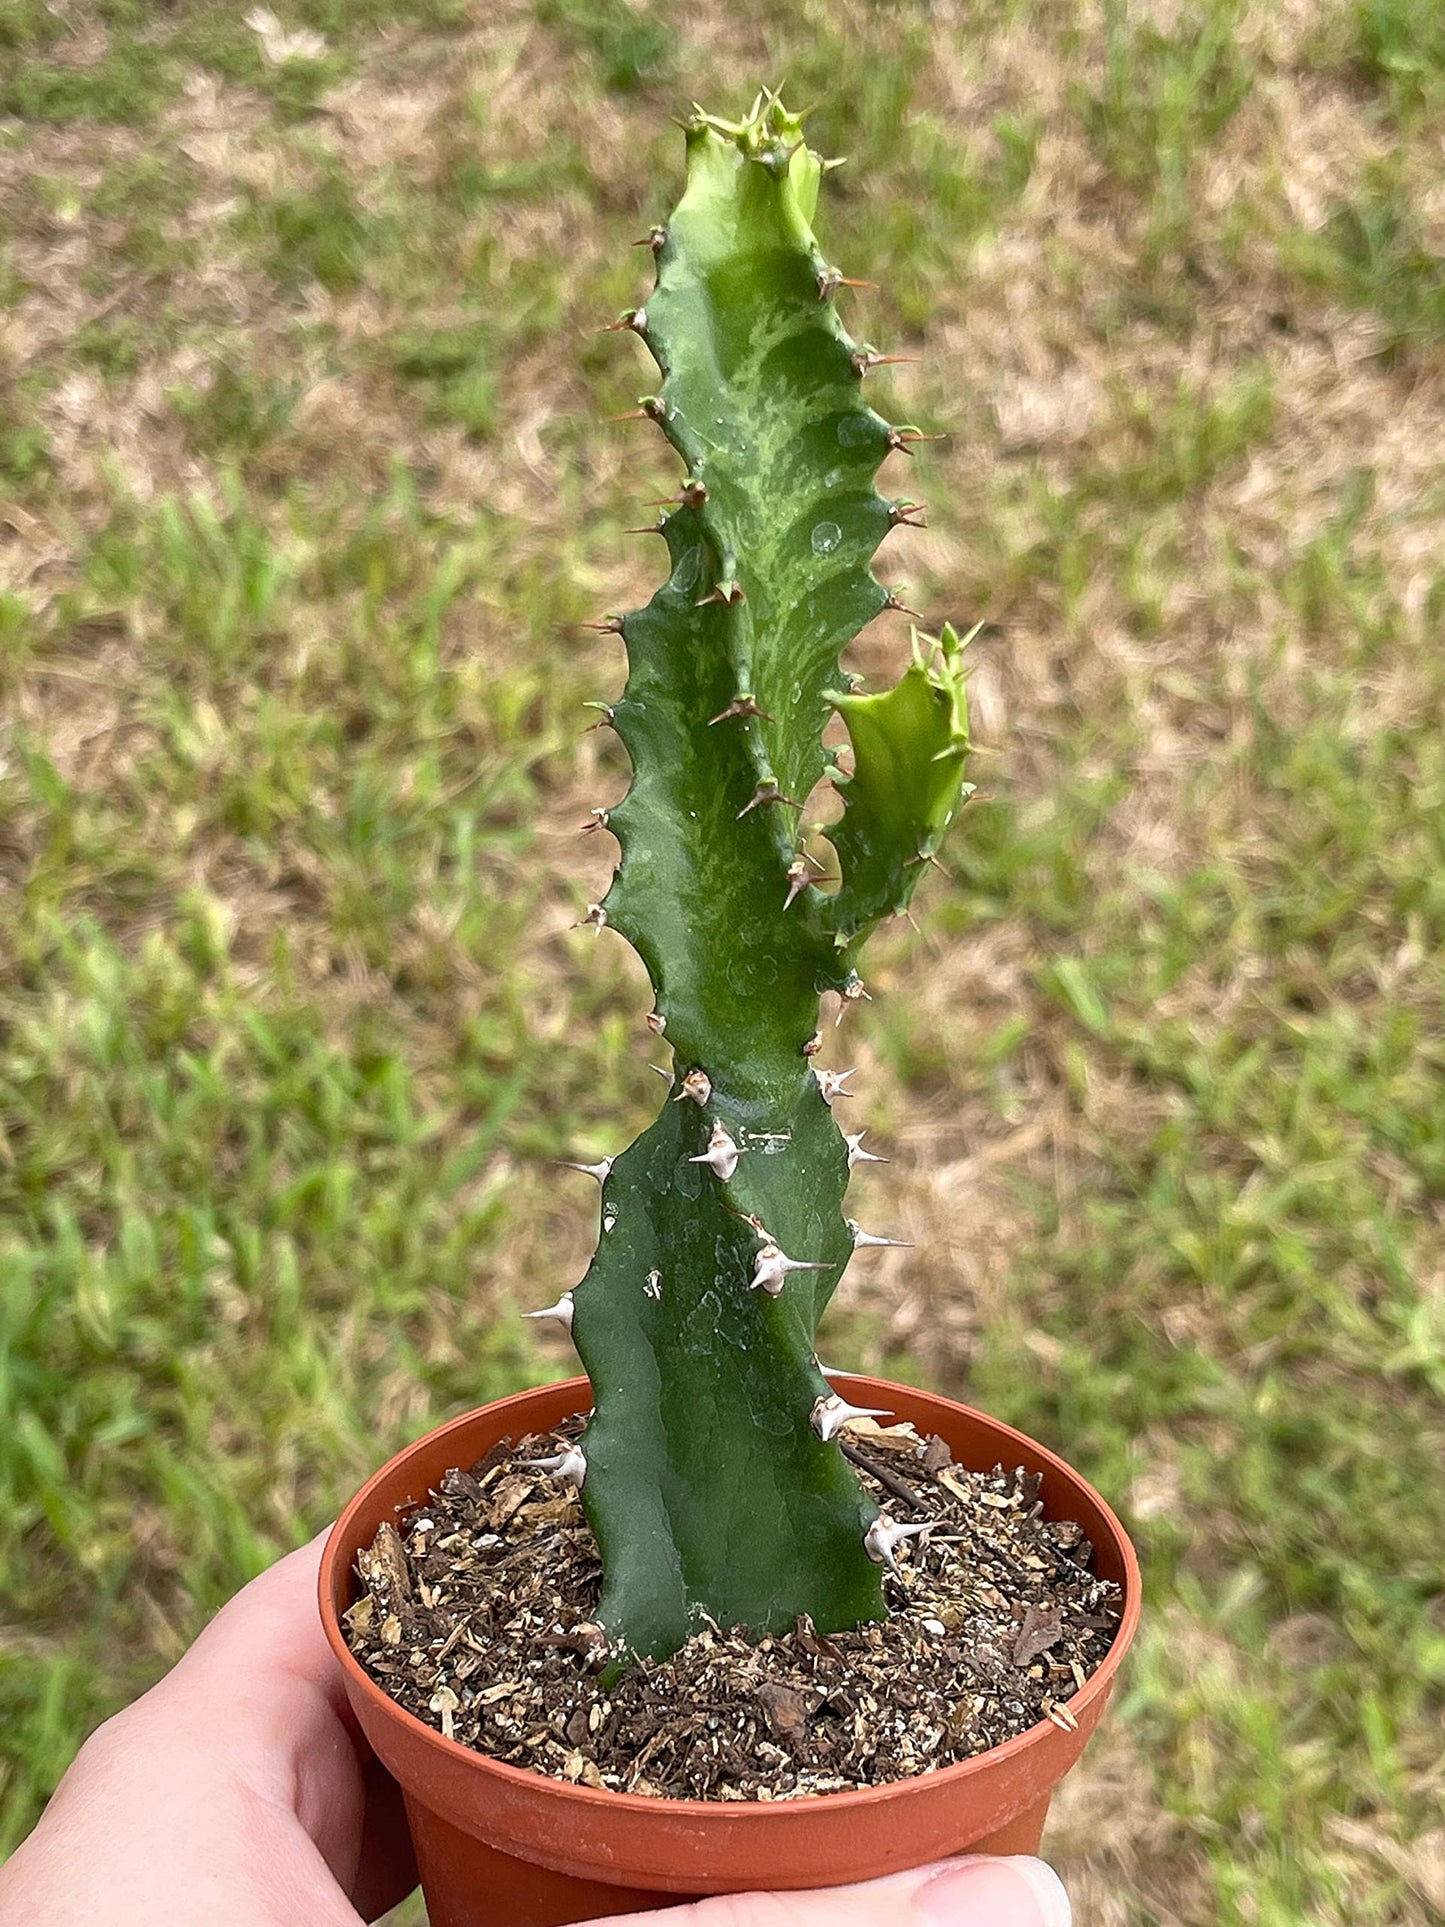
(341, 1547)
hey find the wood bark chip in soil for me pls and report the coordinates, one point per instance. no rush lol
(478, 1616)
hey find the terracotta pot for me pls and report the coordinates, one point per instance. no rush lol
(498, 1846)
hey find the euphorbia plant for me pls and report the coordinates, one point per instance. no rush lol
(710, 1468)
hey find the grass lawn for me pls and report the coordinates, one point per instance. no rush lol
(305, 492)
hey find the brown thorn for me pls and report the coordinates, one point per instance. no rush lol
(902, 607)
(654, 239)
(865, 360)
(609, 626)
(632, 415)
(740, 706)
(927, 856)
(647, 528)
(901, 439)
(728, 592)
(907, 515)
(767, 793)
(829, 282)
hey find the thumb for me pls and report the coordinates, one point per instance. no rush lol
(981, 1891)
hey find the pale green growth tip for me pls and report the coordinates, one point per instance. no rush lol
(769, 135)
(766, 127)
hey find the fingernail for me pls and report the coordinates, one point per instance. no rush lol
(991, 1892)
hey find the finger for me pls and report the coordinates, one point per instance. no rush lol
(258, 1699)
(271, 1627)
(259, 1687)
(387, 1871)
(151, 1826)
(982, 1891)
(286, 1705)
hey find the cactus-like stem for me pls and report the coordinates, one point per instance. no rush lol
(710, 1485)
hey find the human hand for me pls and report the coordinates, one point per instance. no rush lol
(240, 1793)
(236, 1793)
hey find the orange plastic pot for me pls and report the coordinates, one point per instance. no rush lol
(498, 1846)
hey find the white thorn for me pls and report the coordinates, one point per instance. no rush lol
(698, 1086)
(656, 1023)
(773, 1266)
(598, 1170)
(663, 1072)
(596, 916)
(653, 1287)
(862, 1237)
(856, 1153)
(561, 1311)
(833, 1083)
(569, 1466)
(831, 1414)
(797, 881)
(883, 1535)
(609, 1219)
(851, 995)
(721, 1155)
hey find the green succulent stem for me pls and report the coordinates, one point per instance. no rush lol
(708, 1485)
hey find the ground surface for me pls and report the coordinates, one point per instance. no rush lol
(304, 492)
